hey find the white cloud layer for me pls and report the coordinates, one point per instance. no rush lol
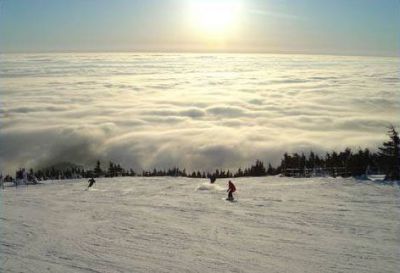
(198, 111)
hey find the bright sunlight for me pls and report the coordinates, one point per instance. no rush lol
(215, 19)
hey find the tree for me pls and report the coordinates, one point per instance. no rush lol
(390, 156)
(310, 163)
(239, 173)
(97, 170)
(258, 169)
(111, 169)
(270, 170)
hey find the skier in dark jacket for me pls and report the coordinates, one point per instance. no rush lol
(231, 190)
(212, 179)
(91, 181)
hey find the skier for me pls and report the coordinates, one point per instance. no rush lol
(212, 179)
(231, 190)
(91, 182)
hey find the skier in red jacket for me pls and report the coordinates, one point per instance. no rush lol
(230, 190)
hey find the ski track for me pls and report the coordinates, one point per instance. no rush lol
(170, 225)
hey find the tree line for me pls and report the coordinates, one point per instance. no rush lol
(344, 163)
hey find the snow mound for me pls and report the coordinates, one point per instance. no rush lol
(209, 187)
(376, 178)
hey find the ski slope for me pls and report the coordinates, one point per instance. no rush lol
(184, 225)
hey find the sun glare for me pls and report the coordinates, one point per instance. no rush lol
(215, 19)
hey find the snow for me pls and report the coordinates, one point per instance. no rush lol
(210, 187)
(182, 225)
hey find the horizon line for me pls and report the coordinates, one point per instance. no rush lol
(233, 52)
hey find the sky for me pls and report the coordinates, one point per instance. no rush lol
(119, 80)
(343, 27)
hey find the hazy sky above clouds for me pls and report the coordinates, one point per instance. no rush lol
(196, 111)
(347, 27)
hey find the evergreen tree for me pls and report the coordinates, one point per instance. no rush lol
(390, 156)
(302, 161)
(258, 169)
(111, 169)
(239, 173)
(97, 170)
(270, 170)
(310, 162)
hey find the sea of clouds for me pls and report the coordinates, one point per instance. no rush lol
(195, 111)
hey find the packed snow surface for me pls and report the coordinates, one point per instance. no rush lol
(181, 225)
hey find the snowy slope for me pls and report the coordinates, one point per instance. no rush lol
(179, 225)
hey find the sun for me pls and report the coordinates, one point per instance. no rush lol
(215, 18)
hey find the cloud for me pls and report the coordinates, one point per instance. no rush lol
(193, 113)
(188, 110)
(275, 14)
(226, 111)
